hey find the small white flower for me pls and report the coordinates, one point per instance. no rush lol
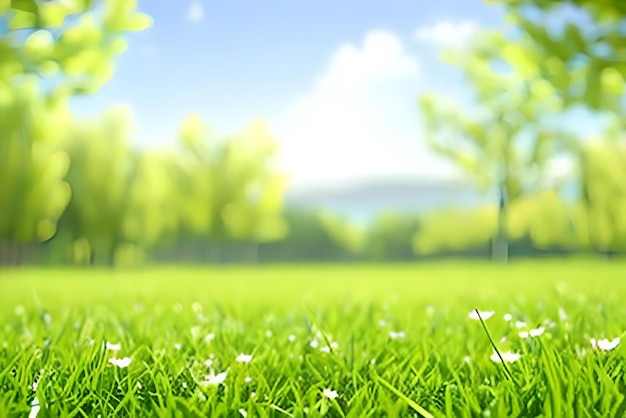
(19, 310)
(113, 347)
(605, 344)
(90, 341)
(208, 363)
(508, 317)
(503, 339)
(196, 307)
(430, 309)
(563, 315)
(47, 318)
(396, 335)
(244, 358)
(122, 363)
(139, 386)
(184, 385)
(243, 412)
(34, 408)
(548, 323)
(325, 349)
(291, 338)
(507, 356)
(537, 331)
(373, 361)
(483, 314)
(177, 346)
(268, 333)
(467, 359)
(334, 345)
(520, 324)
(209, 337)
(195, 332)
(382, 323)
(314, 343)
(330, 394)
(214, 379)
(524, 334)
(253, 394)
(248, 379)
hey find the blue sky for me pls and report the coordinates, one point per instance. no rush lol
(336, 80)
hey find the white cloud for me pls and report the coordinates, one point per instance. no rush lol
(448, 34)
(195, 13)
(360, 120)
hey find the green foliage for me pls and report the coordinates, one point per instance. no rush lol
(603, 195)
(32, 166)
(169, 322)
(348, 235)
(585, 62)
(504, 141)
(391, 236)
(228, 189)
(456, 229)
(44, 60)
(99, 208)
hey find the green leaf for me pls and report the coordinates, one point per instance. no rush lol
(612, 81)
(29, 6)
(138, 22)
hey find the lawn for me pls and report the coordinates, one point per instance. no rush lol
(379, 341)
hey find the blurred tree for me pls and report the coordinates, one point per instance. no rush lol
(347, 235)
(583, 56)
(152, 212)
(229, 188)
(504, 141)
(579, 47)
(49, 51)
(391, 236)
(101, 177)
(603, 195)
(456, 229)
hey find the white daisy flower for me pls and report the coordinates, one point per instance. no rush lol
(507, 356)
(483, 314)
(244, 358)
(396, 335)
(330, 394)
(604, 344)
(213, 379)
(113, 347)
(122, 363)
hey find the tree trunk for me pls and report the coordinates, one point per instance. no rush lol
(254, 253)
(111, 255)
(500, 249)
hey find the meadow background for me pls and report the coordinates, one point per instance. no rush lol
(214, 210)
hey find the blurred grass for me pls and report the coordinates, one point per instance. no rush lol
(441, 365)
(287, 286)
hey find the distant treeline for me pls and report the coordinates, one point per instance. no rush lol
(74, 191)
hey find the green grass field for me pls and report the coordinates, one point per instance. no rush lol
(338, 341)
